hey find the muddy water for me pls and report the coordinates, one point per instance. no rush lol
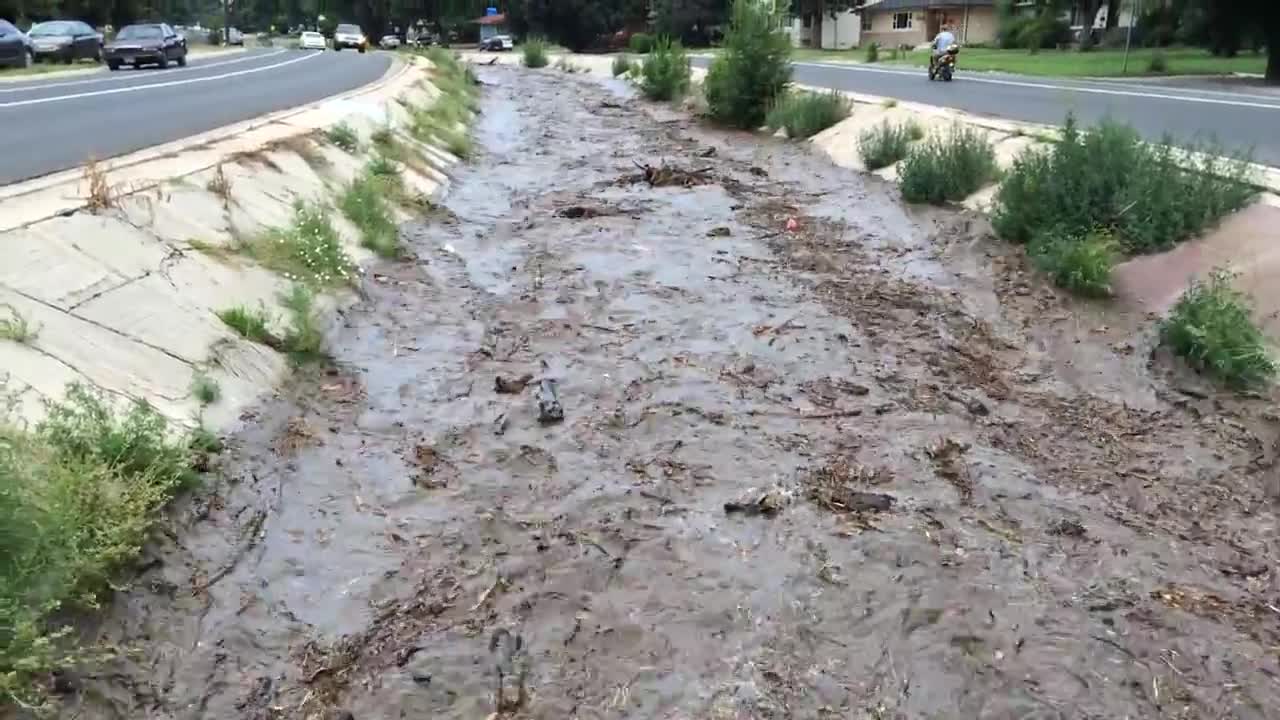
(820, 457)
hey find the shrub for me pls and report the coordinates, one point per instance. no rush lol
(621, 65)
(1081, 264)
(805, 114)
(344, 136)
(309, 251)
(534, 52)
(873, 52)
(78, 498)
(16, 327)
(1159, 63)
(1212, 328)
(948, 168)
(753, 69)
(1106, 177)
(887, 143)
(641, 43)
(665, 74)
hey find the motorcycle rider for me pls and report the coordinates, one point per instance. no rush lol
(944, 40)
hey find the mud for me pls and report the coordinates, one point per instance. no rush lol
(972, 498)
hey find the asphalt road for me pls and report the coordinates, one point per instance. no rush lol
(52, 125)
(1241, 120)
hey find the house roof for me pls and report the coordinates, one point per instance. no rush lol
(499, 19)
(925, 4)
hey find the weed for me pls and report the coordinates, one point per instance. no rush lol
(205, 441)
(383, 167)
(873, 53)
(216, 251)
(344, 136)
(889, 103)
(564, 65)
(534, 53)
(205, 389)
(948, 168)
(309, 251)
(16, 327)
(1150, 197)
(1080, 264)
(641, 43)
(303, 147)
(1158, 64)
(621, 65)
(100, 196)
(220, 184)
(304, 340)
(364, 203)
(249, 324)
(754, 68)
(665, 73)
(78, 498)
(1211, 326)
(384, 139)
(887, 143)
(444, 121)
(805, 114)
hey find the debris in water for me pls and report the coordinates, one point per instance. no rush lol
(792, 225)
(549, 408)
(756, 502)
(510, 663)
(666, 175)
(946, 461)
(707, 152)
(510, 386)
(721, 231)
(831, 487)
(1069, 528)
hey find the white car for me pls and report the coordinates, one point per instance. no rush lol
(311, 41)
(389, 42)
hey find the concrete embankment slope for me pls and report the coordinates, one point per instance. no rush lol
(125, 297)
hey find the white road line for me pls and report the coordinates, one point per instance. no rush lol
(131, 76)
(1273, 105)
(149, 86)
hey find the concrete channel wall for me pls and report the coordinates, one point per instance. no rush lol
(125, 298)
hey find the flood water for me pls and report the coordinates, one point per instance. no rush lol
(821, 456)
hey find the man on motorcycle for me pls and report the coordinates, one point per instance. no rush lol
(944, 40)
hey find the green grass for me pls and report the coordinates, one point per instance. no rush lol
(1099, 62)
(947, 168)
(1150, 197)
(533, 53)
(15, 327)
(887, 143)
(1080, 264)
(1212, 328)
(205, 389)
(364, 203)
(46, 68)
(79, 496)
(343, 136)
(805, 114)
(444, 122)
(249, 324)
(304, 341)
(308, 251)
(665, 72)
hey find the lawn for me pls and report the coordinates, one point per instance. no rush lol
(1061, 63)
(44, 68)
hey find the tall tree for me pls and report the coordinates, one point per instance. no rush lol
(1231, 22)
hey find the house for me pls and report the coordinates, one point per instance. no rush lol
(894, 23)
(491, 25)
(826, 24)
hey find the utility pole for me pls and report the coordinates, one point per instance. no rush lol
(226, 23)
(1135, 10)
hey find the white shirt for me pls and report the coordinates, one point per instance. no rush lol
(944, 40)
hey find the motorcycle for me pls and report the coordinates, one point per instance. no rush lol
(944, 65)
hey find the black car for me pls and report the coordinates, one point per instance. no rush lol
(15, 48)
(150, 44)
(65, 40)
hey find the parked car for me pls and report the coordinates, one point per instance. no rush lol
(498, 43)
(15, 48)
(389, 42)
(311, 40)
(235, 37)
(65, 40)
(150, 44)
(350, 36)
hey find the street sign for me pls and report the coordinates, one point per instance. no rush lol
(491, 11)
